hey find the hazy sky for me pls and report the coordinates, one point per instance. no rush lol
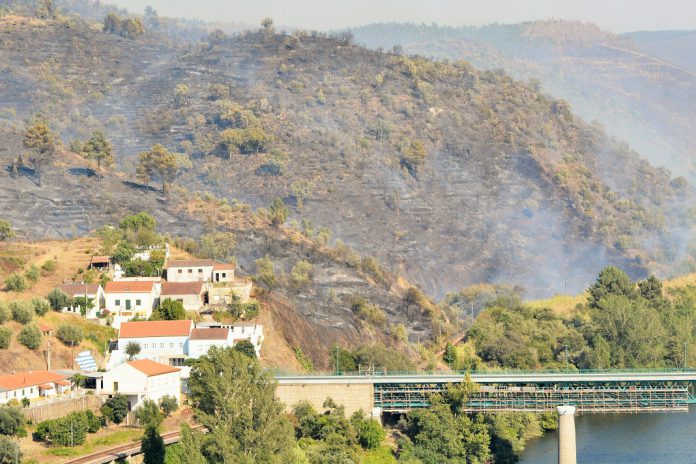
(614, 15)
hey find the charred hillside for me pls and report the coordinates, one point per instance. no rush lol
(446, 174)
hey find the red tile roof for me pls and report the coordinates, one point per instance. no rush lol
(209, 334)
(28, 379)
(151, 368)
(64, 383)
(129, 286)
(77, 289)
(142, 329)
(101, 259)
(190, 263)
(182, 288)
(223, 267)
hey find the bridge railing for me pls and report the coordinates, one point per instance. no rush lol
(489, 372)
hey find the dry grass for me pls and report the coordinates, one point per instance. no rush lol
(69, 255)
(561, 304)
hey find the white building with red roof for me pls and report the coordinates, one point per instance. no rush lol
(201, 340)
(199, 270)
(32, 385)
(161, 341)
(141, 380)
(128, 299)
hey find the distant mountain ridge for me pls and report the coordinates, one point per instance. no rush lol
(636, 85)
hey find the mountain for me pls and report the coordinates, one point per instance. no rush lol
(447, 175)
(636, 85)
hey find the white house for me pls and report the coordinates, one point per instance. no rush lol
(223, 272)
(239, 331)
(161, 341)
(141, 380)
(191, 294)
(127, 299)
(93, 292)
(190, 270)
(33, 385)
(201, 340)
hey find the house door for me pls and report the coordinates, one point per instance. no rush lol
(128, 305)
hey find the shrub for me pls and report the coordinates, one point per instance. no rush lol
(58, 299)
(71, 335)
(301, 273)
(115, 409)
(41, 305)
(5, 338)
(5, 312)
(9, 450)
(168, 404)
(70, 430)
(245, 347)
(32, 274)
(11, 421)
(22, 311)
(15, 283)
(30, 336)
(48, 267)
(370, 434)
(369, 313)
(94, 422)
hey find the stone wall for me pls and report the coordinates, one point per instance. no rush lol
(61, 408)
(352, 396)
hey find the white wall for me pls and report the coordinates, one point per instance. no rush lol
(144, 309)
(190, 302)
(138, 387)
(156, 346)
(190, 274)
(198, 348)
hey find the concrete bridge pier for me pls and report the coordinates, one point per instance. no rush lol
(566, 435)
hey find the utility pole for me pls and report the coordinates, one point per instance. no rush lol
(686, 355)
(48, 355)
(336, 359)
(566, 356)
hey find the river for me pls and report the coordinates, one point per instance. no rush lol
(624, 439)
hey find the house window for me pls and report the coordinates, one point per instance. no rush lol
(171, 345)
(115, 386)
(118, 303)
(200, 271)
(161, 345)
(138, 302)
(224, 275)
(181, 345)
(145, 345)
(190, 271)
(179, 271)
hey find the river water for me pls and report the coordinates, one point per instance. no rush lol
(624, 439)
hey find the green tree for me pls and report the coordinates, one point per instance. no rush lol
(5, 338)
(41, 305)
(30, 336)
(370, 434)
(218, 246)
(450, 356)
(651, 290)
(279, 212)
(611, 281)
(6, 232)
(266, 272)
(58, 299)
(169, 310)
(39, 138)
(100, 150)
(5, 312)
(148, 414)
(115, 409)
(168, 404)
(70, 430)
(32, 274)
(152, 446)
(246, 348)
(301, 190)
(234, 398)
(10, 453)
(191, 447)
(301, 273)
(132, 350)
(15, 283)
(112, 23)
(70, 334)
(11, 421)
(160, 163)
(136, 222)
(22, 311)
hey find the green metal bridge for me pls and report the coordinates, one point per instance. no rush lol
(609, 391)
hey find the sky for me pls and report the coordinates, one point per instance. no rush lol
(613, 15)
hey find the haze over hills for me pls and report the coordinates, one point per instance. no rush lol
(448, 175)
(636, 85)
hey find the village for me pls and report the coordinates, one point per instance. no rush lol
(149, 360)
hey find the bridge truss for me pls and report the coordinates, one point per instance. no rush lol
(587, 397)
